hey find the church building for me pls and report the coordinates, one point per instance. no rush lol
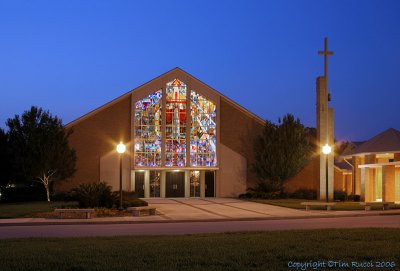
(186, 139)
(183, 139)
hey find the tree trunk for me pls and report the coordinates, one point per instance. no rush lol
(45, 180)
(48, 193)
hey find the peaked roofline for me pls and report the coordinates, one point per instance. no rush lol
(366, 147)
(125, 95)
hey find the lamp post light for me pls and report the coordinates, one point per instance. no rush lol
(121, 148)
(326, 149)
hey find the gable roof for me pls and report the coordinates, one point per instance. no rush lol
(343, 166)
(385, 142)
(175, 70)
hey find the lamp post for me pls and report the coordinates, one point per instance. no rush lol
(121, 148)
(326, 149)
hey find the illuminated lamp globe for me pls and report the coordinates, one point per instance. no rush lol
(326, 149)
(121, 148)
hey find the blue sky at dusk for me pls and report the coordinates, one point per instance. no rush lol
(71, 57)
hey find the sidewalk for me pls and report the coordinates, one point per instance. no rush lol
(170, 210)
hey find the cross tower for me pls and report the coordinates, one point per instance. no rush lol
(325, 129)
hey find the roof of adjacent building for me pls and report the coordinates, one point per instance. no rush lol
(385, 142)
(343, 166)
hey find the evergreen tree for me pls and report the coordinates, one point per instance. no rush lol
(4, 159)
(38, 144)
(281, 152)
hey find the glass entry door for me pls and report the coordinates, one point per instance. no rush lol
(175, 184)
(210, 183)
(195, 183)
(139, 184)
(155, 180)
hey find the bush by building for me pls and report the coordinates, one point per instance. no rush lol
(354, 198)
(91, 195)
(129, 199)
(339, 196)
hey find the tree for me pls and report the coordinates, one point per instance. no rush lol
(4, 159)
(281, 151)
(39, 148)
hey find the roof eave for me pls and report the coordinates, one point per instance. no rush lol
(350, 155)
(125, 95)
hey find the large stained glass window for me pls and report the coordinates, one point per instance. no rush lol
(200, 128)
(148, 130)
(175, 130)
(203, 138)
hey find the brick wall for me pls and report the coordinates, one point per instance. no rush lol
(94, 137)
(238, 131)
(308, 178)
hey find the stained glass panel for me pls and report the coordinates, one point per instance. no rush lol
(175, 130)
(203, 140)
(148, 130)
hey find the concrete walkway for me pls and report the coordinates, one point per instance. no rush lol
(191, 216)
(202, 210)
(179, 228)
(233, 209)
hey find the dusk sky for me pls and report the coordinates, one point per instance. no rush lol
(71, 57)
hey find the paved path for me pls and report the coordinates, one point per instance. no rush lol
(176, 228)
(190, 216)
(201, 210)
(230, 208)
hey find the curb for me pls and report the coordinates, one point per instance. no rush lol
(88, 222)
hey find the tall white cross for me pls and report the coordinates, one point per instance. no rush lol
(326, 53)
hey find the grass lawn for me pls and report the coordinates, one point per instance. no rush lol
(45, 209)
(30, 209)
(340, 206)
(229, 251)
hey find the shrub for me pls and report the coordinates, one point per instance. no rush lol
(339, 195)
(129, 199)
(263, 190)
(62, 197)
(94, 195)
(354, 198)
(246, 195)
(304, 194)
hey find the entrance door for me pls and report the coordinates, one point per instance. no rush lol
(195, 183)
(175, 184)
(210, 184)
(155, 177)
(139, 184)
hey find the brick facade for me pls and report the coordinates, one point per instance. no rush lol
(308, 178)
(238, 132)
(94, 137)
